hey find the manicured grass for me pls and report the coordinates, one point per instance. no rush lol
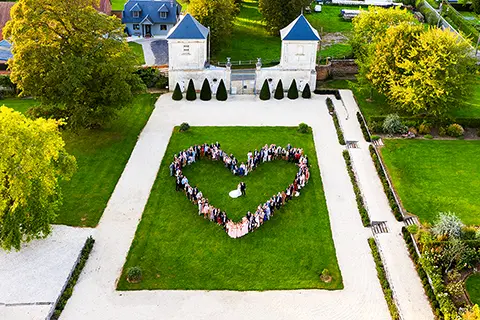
(177, 249)
(433, 176)
(336, 51)
(21, 105)
(378, 106)
(138, 51)
(101, 156)
(118, 4)
(473, 287)
(329, 20)
(249, 40)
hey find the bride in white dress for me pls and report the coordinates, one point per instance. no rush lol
(235, 193)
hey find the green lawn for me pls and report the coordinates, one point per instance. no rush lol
(473, 287)
(336, 51)
(101, 156)
(138, 51)
(433, 176)
(379, 106)
(249, 40)
(177, 249)
(118, 4)
(21, 105)
(329, 20)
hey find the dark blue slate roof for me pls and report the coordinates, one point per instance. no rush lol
(302, 31)
(5, 50)
(151, 9)
(188, 28)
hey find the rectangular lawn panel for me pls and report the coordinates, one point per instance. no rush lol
(473, 288)
(433, 176)
(178, 249)
(101, 156)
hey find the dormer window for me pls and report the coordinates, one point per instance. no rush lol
(163, 15)
(136, 14)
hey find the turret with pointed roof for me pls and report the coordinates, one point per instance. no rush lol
(188, 28)
(299, 30)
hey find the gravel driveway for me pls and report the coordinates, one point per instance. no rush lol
(160, 51)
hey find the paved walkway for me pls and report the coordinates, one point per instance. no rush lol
(95, 296)
(32, 279)
(404, 280)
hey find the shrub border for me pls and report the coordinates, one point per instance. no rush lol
(356, 189)
(335, 92)
(382, 277)
(72, 279)
(387, 185)
(331, 108)
(363, 125)
(429, 292)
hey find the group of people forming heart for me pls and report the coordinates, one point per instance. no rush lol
(264, 212)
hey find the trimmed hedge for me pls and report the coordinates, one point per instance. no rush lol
(279, 91)
(206, 91)
(356, 189)
(191, 94)
(306, 93)
(221, 92)
(422, 274)
(416, 121)
(386, 187)
(67, 292)
(293, 90)
(335, 92)
(265, 91)
(331, 108)
(382, 276)
(177, 93)
(363, 125)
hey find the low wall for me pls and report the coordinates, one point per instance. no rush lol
(274, 74)
(214, 75)
(337, 69)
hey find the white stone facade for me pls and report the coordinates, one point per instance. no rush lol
(187, 54)
(213, 75)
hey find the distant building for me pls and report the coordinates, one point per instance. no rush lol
(148, 18)
(4, 15)
(5, 54)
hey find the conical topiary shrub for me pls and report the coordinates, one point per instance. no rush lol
(221, 91)
(279, 91)
(177, 93)
(292, 91)
(206, 92)
(191, 94)
(265, 92)
(306, 94)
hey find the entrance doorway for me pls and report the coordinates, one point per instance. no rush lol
(148, 30)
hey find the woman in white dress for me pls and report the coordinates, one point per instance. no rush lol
(235, 193)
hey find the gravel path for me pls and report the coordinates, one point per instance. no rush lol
(32, 278)
(411, 300)
(95, 296)
(159, 49)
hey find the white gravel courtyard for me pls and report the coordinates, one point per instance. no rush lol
(95, 295)
(32, 279)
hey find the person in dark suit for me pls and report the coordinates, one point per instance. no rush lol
(243, 188)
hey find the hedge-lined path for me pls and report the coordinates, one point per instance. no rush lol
(95, 296)
(404, 280)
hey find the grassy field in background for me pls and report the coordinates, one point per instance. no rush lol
(177, 249)
(138, 51)
(433, 176)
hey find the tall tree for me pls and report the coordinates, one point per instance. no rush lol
(72, 58)
(32, 161)
(277, 14)
(422, 72)
(216, 14)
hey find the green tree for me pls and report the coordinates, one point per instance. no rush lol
(68, 55)
(216, 14)
(191, 94)
(277, 14)
(205, 92)
(279, 91)
(293, 90)
(177, 93)
(33, 160)
(221, 92)
(422, 72)
(265, 91)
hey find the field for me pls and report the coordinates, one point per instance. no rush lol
(21, 105)
(379, 106)
(138, 51)
(433, 176)
(177, 249)
(473, 287)
(101, 156)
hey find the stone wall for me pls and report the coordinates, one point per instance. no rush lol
(274, 74)
(337, 69)
(214, 75)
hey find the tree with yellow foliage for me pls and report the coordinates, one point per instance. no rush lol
(32, 162)
(472, 314)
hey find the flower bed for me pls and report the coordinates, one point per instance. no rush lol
(331, 109)
(358, 194)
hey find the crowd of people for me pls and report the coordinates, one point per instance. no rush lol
(265, 211)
